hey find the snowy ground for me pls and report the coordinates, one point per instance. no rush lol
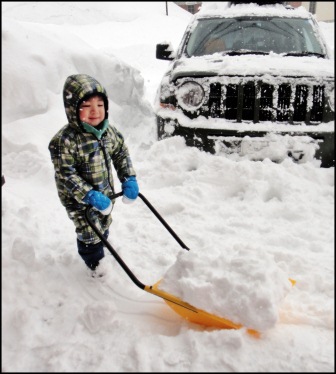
(249, 225)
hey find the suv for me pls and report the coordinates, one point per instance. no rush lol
(253, 80)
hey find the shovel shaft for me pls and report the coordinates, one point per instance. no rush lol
(165, 224)
(111, 249)
(158, 216)
(113, 252)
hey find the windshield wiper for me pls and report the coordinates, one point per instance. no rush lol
(305, 54)
(244, 52)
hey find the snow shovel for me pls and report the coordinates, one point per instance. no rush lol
(187, 311)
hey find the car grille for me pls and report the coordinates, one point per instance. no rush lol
(261, 101)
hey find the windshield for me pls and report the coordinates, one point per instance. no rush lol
(246, 35)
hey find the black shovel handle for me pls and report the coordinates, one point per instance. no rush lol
(158, 216)
(165, 224)
(111, 249)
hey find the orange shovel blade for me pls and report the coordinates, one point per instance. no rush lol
(196, 315)
(193, 314)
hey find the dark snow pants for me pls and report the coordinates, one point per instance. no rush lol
(92, 253)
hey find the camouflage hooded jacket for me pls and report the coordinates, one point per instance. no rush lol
(83, 161)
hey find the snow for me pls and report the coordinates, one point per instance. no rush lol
(250, 226)
(254, 65)
(210, 9)
(248, 291)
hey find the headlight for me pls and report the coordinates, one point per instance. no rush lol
(190, 96)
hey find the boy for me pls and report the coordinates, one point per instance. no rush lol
(82, 152)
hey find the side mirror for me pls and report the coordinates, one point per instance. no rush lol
(164, 51)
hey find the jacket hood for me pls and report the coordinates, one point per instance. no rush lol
(77, 88)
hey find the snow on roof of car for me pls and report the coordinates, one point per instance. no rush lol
(223, 9)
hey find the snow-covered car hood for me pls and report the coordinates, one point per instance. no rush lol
(253, 65)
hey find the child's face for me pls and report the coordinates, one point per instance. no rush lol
(92, 111)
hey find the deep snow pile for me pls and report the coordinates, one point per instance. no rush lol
(236, 286)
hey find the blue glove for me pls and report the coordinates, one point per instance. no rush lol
(130, 189)
(99, 201)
